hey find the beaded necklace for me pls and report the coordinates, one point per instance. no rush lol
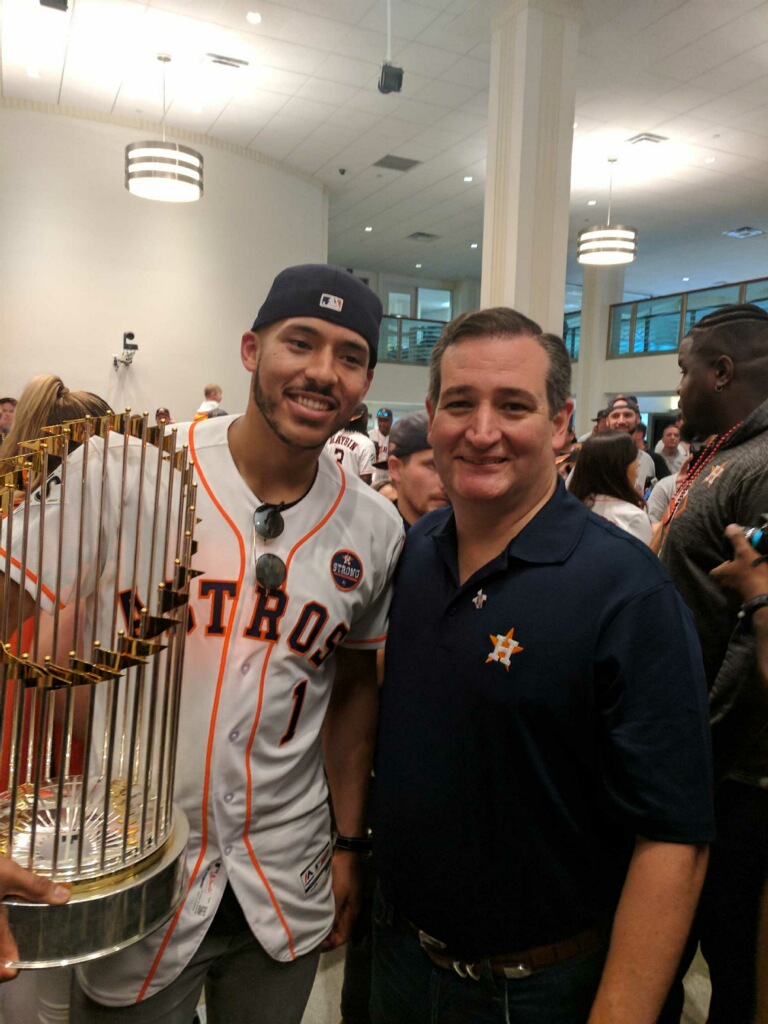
(704, 458)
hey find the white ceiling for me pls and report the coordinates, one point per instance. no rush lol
(695, 71)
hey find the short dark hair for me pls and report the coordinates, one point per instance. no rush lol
(601, 468)
(500, 320)
(8, 401)
(740, 331)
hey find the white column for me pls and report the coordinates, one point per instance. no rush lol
(601, 287)
(530, 135)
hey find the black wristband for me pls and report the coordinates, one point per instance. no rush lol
(749, 608)
(353, 844)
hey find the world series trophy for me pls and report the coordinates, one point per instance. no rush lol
(95, 553)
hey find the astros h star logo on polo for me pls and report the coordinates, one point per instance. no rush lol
(503, 648)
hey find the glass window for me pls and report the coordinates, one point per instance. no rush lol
(618, 332)
(707, 301)
(399, 304)
(757, 292)
(433, 304)
(572, 333)
(657, 325)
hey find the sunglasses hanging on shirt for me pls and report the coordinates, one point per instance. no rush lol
(268, 524)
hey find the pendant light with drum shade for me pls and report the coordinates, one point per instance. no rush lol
(165, 171)
(607, 246)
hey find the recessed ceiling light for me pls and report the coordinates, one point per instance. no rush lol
(253, 18)
(709, 159)
(591, 202)
(468, 177)
(473, 245)
(369, 229)
(418, 266)
(686, 279)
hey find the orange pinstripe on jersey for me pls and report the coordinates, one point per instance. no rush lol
(31, 576)
(252, 737)
(211, 729)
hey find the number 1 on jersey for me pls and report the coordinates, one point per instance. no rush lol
(299, 692)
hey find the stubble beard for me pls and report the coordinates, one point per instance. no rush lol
(268, 409)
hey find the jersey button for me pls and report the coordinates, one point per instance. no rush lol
(227, 850)
(245, 669)
(234, 735)
(228, 798)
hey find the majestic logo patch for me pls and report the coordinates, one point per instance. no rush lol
(346, 569)
(479, 599)
(503, 648)
(316, 868)
(331, 302)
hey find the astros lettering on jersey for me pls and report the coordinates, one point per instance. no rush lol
(257, 681)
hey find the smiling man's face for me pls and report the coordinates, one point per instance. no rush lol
(493, 435)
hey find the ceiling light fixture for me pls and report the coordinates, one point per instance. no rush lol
(165, 171)
(418, 266)
(468, 177)
(253, 18)
(473, 245)
(686, 279)
(605, 245)
(369, 229)
(591, 202)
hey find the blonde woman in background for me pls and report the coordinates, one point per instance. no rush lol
(42, 997)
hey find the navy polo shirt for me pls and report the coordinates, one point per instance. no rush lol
(533, 722)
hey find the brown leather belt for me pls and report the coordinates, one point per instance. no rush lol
(514, 965)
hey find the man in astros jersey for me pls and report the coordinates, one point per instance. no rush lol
(279, 685)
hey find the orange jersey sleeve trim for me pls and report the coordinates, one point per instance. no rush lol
(33, 578)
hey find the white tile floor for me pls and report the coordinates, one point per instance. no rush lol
(323, 1007)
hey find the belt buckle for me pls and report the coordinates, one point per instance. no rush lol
(466, 970)
(517, 971)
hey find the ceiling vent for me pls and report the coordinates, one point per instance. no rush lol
(744, 232)
(225, 62)
(421, 236)
(647, 137)
(396, 163)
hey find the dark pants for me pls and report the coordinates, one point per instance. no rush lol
(727, 918)
(243, 984)
(407, 988)
(356, 989)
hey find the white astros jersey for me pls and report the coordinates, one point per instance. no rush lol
(257, 680)
(381, 444)
(354, 451)
(73, 504)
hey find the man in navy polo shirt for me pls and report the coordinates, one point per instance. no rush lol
(544, 782)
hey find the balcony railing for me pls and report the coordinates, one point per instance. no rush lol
(657, 326)
(405, 340)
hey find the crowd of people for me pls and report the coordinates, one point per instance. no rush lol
(566, 805)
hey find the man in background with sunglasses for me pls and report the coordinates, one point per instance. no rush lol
(279, 684)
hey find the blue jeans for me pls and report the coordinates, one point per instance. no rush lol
(407, 988)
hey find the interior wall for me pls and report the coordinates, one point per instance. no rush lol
(82, 261)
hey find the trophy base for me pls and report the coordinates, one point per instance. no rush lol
(102, 918)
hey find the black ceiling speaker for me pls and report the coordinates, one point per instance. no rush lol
(391, 78)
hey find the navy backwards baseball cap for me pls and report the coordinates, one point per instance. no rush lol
(328, 293)
(384, 414)
(407, 436)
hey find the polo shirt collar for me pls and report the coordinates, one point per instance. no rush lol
(549, 538)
